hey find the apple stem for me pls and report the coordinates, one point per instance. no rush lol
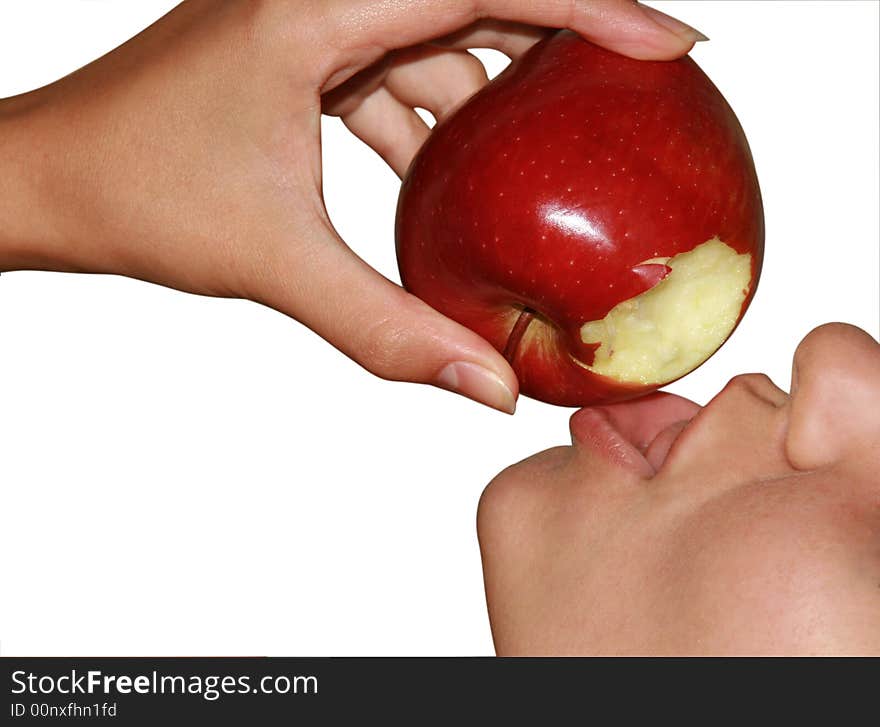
(516, 333)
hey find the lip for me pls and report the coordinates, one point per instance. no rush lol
(593, 429)
(636, 435)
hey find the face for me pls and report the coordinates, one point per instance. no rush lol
(748, 526)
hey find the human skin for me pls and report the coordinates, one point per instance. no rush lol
(190, 156)
(748, 526)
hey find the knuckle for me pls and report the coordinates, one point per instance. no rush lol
(467, 75)
(385, 349)
(474, 71)
(272, 21)
(384, 146)
(573, 10)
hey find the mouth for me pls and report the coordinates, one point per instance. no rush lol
(635, 435)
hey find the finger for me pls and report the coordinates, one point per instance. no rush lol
(436, 80)
(512, 39)
(394, 131)
(378, 324)
(345, 98)
(619, 25)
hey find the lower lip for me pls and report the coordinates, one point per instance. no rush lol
(593, 430)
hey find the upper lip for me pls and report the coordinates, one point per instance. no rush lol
(635, 434)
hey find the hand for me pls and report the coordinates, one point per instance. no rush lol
(190, 157)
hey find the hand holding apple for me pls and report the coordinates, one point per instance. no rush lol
(596, 218)
(190, 156)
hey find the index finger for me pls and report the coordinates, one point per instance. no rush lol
(623, 26)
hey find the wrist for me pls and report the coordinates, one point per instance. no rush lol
(30, 236)
(22, 221)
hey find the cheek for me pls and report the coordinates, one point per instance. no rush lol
(763, 569)
(723, 448)
(807, 444)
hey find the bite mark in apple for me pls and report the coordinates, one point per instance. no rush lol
(669, 330)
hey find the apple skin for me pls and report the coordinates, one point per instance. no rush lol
(545, 189)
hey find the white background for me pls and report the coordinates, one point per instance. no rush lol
(183, 475)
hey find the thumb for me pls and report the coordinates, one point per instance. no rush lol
(385, 329)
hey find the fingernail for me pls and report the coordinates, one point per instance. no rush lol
(477, 383)
(674, 25)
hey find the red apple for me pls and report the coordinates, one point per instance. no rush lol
(596, 218)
